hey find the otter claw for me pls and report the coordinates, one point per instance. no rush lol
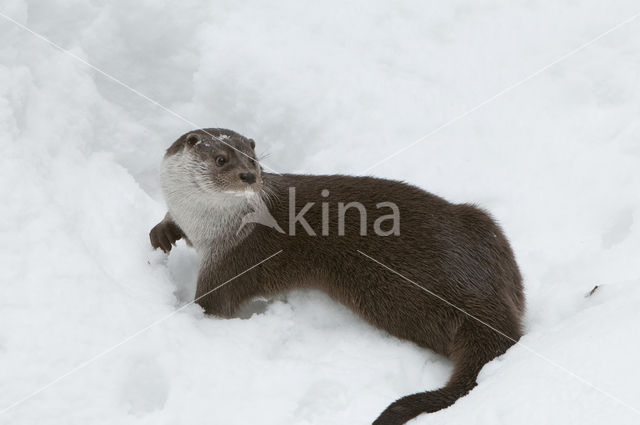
(164, 235)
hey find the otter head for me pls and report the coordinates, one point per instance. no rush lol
(212, 163)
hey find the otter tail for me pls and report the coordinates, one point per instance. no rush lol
(407, 408)
(472, 350)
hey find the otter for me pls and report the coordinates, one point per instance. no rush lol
(441, 275)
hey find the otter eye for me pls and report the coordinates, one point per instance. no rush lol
(252, 161)
(220, 161)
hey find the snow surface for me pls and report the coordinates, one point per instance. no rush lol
(323, 87)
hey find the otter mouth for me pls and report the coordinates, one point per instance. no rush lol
(209, 186)
(249, 192)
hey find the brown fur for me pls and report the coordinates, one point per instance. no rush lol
(455, 251)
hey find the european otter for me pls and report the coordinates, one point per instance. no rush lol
(212, 182)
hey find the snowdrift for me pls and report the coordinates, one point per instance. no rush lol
(322, 87)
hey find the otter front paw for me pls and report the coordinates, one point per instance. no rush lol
(164, 235)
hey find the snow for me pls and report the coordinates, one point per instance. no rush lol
(323, 87)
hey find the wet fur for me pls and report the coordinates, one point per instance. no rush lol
(456, 251)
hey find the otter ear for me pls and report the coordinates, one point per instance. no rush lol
(192, 138)
(252, 143)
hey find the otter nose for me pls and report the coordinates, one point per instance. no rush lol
(248, 177)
